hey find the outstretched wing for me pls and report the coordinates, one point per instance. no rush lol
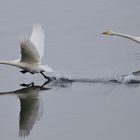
(38, 39)
(32, 48)
(29, 53)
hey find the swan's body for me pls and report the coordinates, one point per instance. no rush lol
(132, 77)
(133, 38)
(32, 50)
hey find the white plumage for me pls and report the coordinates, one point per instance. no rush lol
(135, 76)
(32, 50)
(38, 39)
(131, 37)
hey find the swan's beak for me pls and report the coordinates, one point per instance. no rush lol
(105, 33)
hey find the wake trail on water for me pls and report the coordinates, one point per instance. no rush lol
(125, 79)
(65, 79)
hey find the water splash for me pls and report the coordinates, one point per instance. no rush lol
(125, 79)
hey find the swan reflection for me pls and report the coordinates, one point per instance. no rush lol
(31, 107)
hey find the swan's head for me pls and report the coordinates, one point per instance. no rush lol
(108, 32)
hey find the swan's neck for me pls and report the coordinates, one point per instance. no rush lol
(13, 63)
(133, 38)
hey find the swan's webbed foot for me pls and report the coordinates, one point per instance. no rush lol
(23, 71)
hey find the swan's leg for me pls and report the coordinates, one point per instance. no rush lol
(46, 77)
(23, 71)
(42, 86)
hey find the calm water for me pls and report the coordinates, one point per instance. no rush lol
(89, 107)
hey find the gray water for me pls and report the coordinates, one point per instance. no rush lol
(85, 102)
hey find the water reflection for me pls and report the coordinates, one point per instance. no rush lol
(31, 107)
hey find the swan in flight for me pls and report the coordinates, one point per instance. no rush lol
(133, 38)
(32, 49)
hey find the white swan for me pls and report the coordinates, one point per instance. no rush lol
(133, 38)
(134, 77)
(32, 50)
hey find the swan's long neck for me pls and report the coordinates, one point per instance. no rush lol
(12, 63)
(133, 38)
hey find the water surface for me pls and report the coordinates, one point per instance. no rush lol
(90, 108)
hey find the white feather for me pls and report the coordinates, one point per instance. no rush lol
(29, 53)
(38, 39)
(32, 50)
